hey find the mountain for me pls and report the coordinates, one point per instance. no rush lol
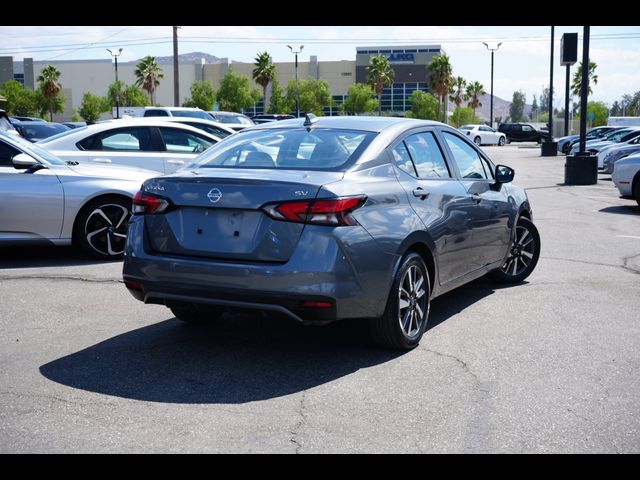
(192, 57)
(500, 108)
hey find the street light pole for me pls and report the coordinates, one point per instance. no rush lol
(491, 103)
(296, 52)
(176, 70)
(116, 55)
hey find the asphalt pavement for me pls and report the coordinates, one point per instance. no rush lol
(550, 365)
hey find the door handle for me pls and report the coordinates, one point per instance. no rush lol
(175, 162)
(101, 160)
(419, 192)
(476, 198)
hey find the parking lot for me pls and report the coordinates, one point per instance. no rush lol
(550, 365)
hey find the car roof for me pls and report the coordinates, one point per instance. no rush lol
(177, 120)
(175, 108)
(366, 123)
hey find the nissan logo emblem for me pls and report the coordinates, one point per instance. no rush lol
(214, 195)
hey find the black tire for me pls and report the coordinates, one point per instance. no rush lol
(501, 142)
(523, 256)
(401, 326)
(101, 227)
(196, 314)
(477, 141)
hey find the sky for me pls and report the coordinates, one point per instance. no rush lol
(521, 63)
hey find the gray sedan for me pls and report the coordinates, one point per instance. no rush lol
(48, 201)
(328, 219)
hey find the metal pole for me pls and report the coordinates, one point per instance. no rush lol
(176, 71)
(566, 103)
(551, 90)
(491, 106)
(117, 94)
(297, 91)
(584, 94)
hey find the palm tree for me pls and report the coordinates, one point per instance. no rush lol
(50, 86)
(263, 74)
(380, 75)
(576, 85)
(474, 91)
(148, 74)
(440, 78)
(458, 95)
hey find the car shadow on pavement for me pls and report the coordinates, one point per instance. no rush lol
(631, 209)
(44, 256)
(239, 358)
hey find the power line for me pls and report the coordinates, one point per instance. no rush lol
(89, 44)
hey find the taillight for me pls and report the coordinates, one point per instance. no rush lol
(325, 211)
(146, 204)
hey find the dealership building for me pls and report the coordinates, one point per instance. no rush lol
(81, 76)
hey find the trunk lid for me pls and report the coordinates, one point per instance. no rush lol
(217, 213)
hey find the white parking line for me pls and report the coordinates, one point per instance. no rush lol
(628, 236)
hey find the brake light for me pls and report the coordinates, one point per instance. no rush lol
(147, 204)
(326, 211)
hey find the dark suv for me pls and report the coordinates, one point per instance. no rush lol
(523, 132)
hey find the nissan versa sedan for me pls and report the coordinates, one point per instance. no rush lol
(48, 201)
(323, 219)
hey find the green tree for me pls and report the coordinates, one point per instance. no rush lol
(20, 100)
(359, 100)
(379, 75)
(458, 95)
(632, 104)
(235, 93)
(474, 91)
(263, 74)
(600, 111)
(50, 100)
(534, 108)
(423, 105)
(466, 116)
(440, 80)
(92, 106)
(616, 109)
(544, 101)
(576, 84)
(203, 96)
(116, 94)
(315, 95)
(516, 110)
(278, 101)
(148, 75)
(134, 96)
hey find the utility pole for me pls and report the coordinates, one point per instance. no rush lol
(176, 71)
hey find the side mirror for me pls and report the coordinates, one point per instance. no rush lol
(504, 174)
(22, 161)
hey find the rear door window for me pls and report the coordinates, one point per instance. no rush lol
(182, 141)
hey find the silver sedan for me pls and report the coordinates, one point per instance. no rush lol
(46, 200)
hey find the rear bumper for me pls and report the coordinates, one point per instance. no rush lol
(342, 267)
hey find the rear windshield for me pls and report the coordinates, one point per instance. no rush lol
(318, 149)
(239, 119)
(466, 127)
(39, 130)
(192, 114)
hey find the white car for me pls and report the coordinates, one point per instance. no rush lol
(148, 144)
(626, 176)
(214, 128)
(483, 135)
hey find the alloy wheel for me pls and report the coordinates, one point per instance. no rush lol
(522, 252)
(105, 229)
(413, 302)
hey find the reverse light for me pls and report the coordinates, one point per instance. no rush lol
(325, 211)
(147, 204)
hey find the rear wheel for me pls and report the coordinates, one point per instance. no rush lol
(405, 317)
(477, 141)
(523, 256)
(195, 314)
(101, 227)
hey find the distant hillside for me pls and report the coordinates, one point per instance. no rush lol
(500, 108)
(192, 57)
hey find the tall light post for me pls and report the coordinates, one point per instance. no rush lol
(296, 52)
(491, 103)
(116, 55)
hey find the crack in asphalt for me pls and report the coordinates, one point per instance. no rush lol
(60, 277)
(626, 263)
(625, 267)
(300, 424)
(464, 365)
